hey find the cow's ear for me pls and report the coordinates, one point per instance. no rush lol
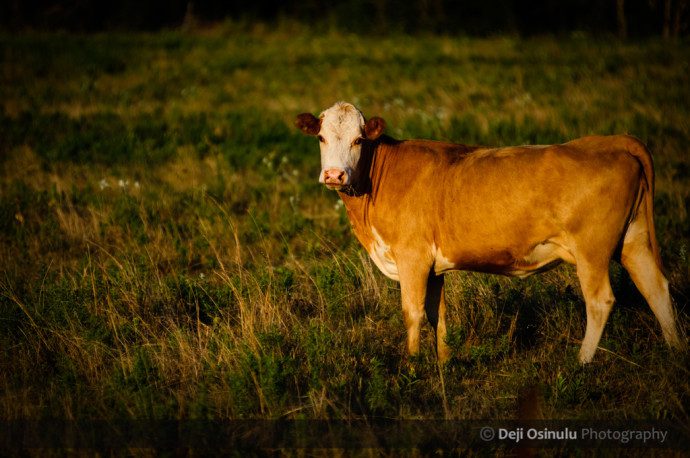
(308, 123)
(374, 128)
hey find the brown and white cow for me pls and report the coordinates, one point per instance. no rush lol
(422, 208)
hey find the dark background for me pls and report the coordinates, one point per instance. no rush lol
(625, 18)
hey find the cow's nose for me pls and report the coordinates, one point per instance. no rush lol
(334, 177)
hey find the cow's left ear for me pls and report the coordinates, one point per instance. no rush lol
(308, 123)
(374, 128)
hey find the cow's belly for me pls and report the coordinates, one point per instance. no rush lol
(542, 257)
(539, 258)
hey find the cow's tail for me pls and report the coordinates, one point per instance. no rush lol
(637, 149)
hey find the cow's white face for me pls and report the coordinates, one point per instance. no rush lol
(341, 129)
(340, 140)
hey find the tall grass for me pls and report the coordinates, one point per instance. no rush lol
(167, 252)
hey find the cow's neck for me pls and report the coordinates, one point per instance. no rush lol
(360, 197)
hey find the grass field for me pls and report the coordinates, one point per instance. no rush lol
(167, 251)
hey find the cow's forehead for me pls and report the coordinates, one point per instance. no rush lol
(342, 120)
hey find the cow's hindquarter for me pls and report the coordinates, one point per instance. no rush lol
(524, 210)
(639, 252)
(640, 256)
(597, 226)
(641, 262)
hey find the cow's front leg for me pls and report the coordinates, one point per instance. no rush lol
(413, 287)
(435, 306)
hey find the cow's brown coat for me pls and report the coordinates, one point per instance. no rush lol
(426, 207)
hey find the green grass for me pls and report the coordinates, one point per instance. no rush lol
(167, 251)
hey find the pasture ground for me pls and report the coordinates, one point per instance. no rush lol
(168, 253)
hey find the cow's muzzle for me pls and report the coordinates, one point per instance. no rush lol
(335, 178)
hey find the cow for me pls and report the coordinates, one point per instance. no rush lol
(422, 208)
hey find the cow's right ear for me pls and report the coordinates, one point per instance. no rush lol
(308, 123)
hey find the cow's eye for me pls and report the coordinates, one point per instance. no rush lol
(357, 141)
(320, 138)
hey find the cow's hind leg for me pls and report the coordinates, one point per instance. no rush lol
(596, 289)
(638, 259)
(435, 306)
